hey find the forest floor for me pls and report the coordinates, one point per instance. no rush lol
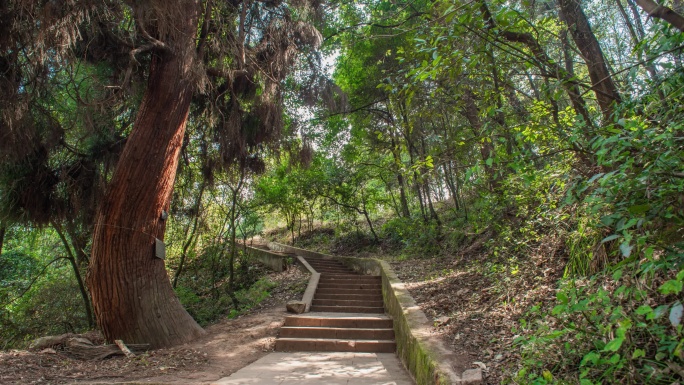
(228, 346)
(476, 304)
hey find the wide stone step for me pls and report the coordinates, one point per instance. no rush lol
(335, 333)
(323, 262)
(331, 265)
(365, 286)
(348, 309)
(332, 270)
(358, 297)
(341, 321)
(345, 302)
(347, 291)
(351, 277)
(348, 282)
(337, 345)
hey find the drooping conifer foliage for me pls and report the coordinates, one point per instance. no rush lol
(96, 94)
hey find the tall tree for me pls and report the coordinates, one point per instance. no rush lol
(132, 296)
(228, 58)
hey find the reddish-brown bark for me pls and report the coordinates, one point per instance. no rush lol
(132, 296)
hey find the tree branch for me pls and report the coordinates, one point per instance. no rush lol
(662, 12)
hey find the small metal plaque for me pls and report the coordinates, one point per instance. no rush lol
(159, 249)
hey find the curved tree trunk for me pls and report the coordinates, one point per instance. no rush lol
(132, 295)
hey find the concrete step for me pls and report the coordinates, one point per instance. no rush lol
(344, 278)
(340, 321)
(348, 282)
(321, 290)
(364, 286)
(329, 345)
(348, 309)
(358, 297)
(335, 333)
(345, 302)
(332, 270)
(323, 263)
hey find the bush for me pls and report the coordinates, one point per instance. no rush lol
(413, 235)
(623, 327)
(52, 305)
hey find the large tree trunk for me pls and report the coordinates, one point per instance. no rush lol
(132, 295)
(602, 82)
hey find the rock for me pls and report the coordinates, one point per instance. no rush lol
(297, 307)
(48, 351)
(472, 377)
(442, 320)
(49, 341)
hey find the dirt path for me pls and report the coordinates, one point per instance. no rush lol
(227, 347)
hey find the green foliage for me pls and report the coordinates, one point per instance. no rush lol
(413, 236)
(38, 292)
(623, 325)
(210, 308)
(40, 304)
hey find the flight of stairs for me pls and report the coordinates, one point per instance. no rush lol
(347, 315)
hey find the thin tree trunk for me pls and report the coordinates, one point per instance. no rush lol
(650, 68)
(233, 248)
(77, 274)
(637, 19)
(400, 179)
(370, 223)
(189, 238)
(433, 212)
(472, 113)
(2, 237)
(606, 91)
(132, 295)
(452, 187)
(628, 22)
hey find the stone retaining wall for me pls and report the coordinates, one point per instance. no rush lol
(271, 260)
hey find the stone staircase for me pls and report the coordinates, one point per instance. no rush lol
(347, 315)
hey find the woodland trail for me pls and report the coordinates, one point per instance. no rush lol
(346, 339)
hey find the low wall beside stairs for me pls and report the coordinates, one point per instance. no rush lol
(424, 355)
(269, 259)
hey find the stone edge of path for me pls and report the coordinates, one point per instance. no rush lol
(307, 298)
(424, 355)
